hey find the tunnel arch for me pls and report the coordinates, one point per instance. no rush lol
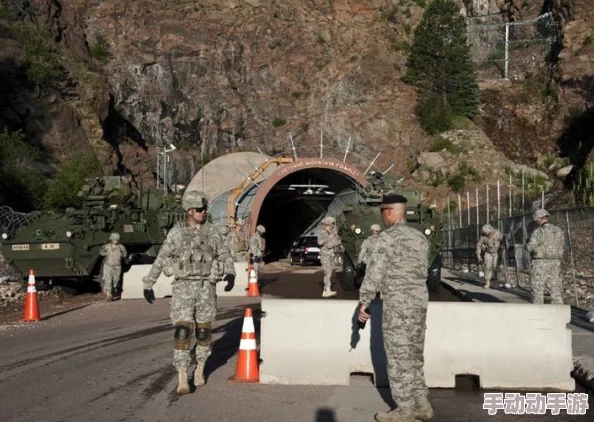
(296, 166)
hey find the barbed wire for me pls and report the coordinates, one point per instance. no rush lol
(11, 220)
(510, 50)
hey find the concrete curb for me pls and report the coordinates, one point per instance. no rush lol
(583, 366)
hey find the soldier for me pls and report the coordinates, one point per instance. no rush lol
(487, 251)
(368, 245)
(546, 245)
(114, 252)
(257, 248)
(193, 252)
(329, 241)
(237, 241)
(398, 269)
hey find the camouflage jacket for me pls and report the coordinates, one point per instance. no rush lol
(489, 244)
(237, 242)
(367, 248)
(257, 245)
(398, 267)
(329, 242)
(547, 242)
(192, 252)
(113, 254)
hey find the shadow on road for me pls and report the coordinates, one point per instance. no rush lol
(325, 415)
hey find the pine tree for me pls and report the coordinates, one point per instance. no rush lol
(440, 66)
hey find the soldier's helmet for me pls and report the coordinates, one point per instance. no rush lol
(487, 229)
(240, 222)
(375, 227)
(540, 213)
(260, 229)
(194, 199)
(329, 220)
(114, 237)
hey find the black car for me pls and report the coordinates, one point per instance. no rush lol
(305, 250)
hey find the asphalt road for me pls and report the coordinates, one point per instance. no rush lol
(112, 362)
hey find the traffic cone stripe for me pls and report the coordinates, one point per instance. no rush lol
(247, 344)
(248, 325)
(31, 289)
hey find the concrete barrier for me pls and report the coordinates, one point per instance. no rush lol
(132, 284)
(508, 346)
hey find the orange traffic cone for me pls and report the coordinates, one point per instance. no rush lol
(247, 370)
(31, 302)
(253, 290)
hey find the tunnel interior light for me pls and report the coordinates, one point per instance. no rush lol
(427, 232)
(4, 236)
(358, 230)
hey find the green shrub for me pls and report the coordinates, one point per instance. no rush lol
(278, 121)
(99, 50)
(582, 192)
(440, 144)
(434, 116)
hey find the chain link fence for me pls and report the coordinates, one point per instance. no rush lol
(459, 252)
(509, 50)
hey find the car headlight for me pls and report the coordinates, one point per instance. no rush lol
(4, 236)
(427, 232)
(358, 230)
(68, 233)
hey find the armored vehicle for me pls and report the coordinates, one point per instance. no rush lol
(67, 244)
(357, 210)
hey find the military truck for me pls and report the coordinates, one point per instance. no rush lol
(57, 245)
(357, 210)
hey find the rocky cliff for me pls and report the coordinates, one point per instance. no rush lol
(217, 76)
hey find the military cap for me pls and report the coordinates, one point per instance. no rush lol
(487, 229)
(260, 229)
(329, 220)
(540, 213)
(393, 199)
(375, 227)
(240, 222)
(114, 236)
(194, 199)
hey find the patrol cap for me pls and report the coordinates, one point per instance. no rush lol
(240, 222)
(393, 199)
(114, 236)
(487, 228)
(375, 227)
(194, 199)
(260, 229)
(329, 220)
(540, 213)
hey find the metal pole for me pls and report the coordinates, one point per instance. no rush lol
(468, 206)
(388, 169)
(477, 214)
(488, 205)
(542, 199)
(506, 72)
(498, 201)
(158, 168)
(164, 169)
(509, 194)
(577, 302)
(460, 209)
(262, 154)
(321, 144)
(523, 190)
(293, 145)
(347, 150)
(372, 163)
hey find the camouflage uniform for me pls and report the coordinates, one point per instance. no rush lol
(367, 246)
(237, 245)
(398, 269)
(329, 243)
(112, 265)
(198, 257)
(546, 245)
(487, 251)
(257, 247)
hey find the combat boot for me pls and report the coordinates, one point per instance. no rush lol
(328, 292)
(108, 297)
(423, 409)
(199, 374)
(396, 415)
(183, 386)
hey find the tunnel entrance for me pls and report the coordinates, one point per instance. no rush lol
(294, 203)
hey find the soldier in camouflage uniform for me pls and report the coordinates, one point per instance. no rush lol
(546, 245)
(114, 252)
(368, 245)
(398, 269)
(487, 251)
(329, 242)
(237, 241)
(194, 253)
(257, 248)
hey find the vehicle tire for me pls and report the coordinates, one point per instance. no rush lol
(434, 276)
(348, 279)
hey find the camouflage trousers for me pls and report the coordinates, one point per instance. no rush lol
(239, 257)
(328, 266)
(546, 273)
(490, 264)
(192, 301)
(403, 328)
(111, 278)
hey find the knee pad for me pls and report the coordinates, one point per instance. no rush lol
(203, 334)
(183, 335)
